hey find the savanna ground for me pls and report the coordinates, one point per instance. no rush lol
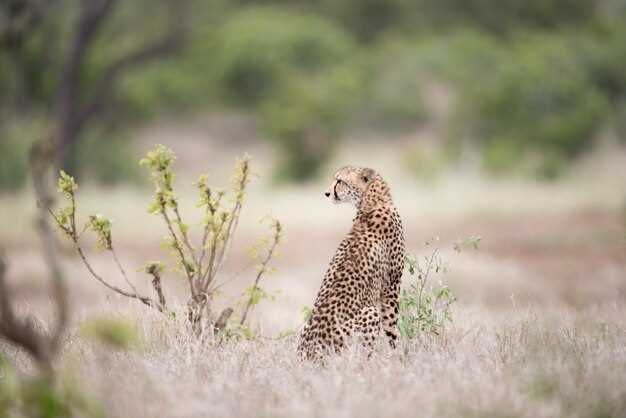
(539, 329)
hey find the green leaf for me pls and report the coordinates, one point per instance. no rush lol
(66, 183)
(307, 312)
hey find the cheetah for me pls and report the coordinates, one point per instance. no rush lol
(359, 293)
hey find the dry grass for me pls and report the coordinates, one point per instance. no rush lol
(552, 362)
(540, 330)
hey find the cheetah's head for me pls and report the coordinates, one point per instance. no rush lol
(349, 184)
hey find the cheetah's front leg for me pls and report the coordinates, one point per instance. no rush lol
(368, 326)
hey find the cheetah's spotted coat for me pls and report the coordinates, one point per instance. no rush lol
(359, 292)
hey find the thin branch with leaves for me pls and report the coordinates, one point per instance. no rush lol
(199, 265)
(65, 219)
(425, 307)
(263, 268)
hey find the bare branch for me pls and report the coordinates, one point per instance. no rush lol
(22, 333)
(91, 18)
(230, 232)
(222, 320)
(143, 299)
(233, 222)
(40, 158)
(73, 115)
(93, 14)
(156, 284)
(121, 269)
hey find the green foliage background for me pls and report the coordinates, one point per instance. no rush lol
(533, 81)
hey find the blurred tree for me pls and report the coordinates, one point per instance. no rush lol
(56, 57)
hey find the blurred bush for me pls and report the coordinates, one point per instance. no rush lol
(531, 92)
(368, 19)
(16, 139)
(393, 99)
(532, 81)
(502, 16)
(531, 103)
(13, 163)
(108, 159)
(538, 101)
(426, 164)
(620, 122)
(295, 70)
(602, 55)
(305, 118)
(259, 48)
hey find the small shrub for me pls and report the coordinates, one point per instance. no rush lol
(199, 263)
(424, 307)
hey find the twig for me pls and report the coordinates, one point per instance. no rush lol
(207, 229)
(230, 231)
(183, 233)
(144, 299)
(222, 320)
(425, 274)
(121, 269)
(262, 270)
(234, 217)
(232, 277)
(207, 278)
(156, 284)
(178, 248)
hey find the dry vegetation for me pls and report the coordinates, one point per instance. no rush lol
(539, 329)
(527, 363)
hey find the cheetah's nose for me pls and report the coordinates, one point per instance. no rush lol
(327, 194)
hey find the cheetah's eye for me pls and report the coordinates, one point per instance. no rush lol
(365, 179)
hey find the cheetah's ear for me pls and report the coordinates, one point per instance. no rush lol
(367, 174)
